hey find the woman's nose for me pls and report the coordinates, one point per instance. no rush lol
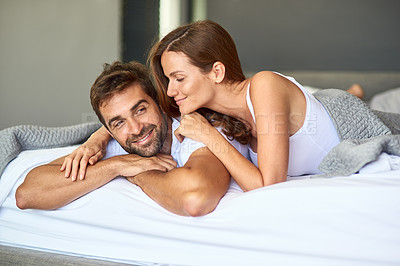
(171, 91)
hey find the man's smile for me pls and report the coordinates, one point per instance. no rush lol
(145, 138)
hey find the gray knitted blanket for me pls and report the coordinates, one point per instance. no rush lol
(364, 133)
(13, 140)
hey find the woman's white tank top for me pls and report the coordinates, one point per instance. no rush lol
(309, 145)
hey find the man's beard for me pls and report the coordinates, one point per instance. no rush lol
(154, 146)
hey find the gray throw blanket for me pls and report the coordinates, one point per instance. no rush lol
(13, 140)
(364, 133)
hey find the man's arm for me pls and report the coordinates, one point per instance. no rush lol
(46, 187)
(192, 190)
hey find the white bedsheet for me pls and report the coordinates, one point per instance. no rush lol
(338, 221)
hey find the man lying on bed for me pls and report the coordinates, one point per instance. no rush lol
(124, 99)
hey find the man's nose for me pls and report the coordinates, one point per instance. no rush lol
(134, 126)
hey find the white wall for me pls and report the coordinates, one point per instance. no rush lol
(51, 51)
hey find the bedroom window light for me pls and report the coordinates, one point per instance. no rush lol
(174, 13)
(170, 17)
(199, 10)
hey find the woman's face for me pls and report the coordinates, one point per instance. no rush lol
(190, 88)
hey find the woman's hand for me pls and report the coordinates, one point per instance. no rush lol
(92, 151)
(196, 127)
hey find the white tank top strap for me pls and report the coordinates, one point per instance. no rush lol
(309, 109)
(305, 92)
(249, 103)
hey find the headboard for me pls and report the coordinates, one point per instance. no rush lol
(373, 82)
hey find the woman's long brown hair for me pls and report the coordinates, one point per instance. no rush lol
(204, 43)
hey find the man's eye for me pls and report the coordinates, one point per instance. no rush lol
(179, 80)
(141, 110)
(117, 124)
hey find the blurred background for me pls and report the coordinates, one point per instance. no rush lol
(51, 51)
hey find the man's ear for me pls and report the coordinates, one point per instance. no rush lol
(218, 71)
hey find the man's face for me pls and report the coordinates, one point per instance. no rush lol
(135, 121)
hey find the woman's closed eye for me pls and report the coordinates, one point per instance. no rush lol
(179, 79)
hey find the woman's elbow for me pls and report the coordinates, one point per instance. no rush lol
(274, 179)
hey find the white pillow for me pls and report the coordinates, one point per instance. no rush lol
(388, 101)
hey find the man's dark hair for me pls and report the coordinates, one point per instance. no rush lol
(117, 77)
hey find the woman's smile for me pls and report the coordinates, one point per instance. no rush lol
(180, 101)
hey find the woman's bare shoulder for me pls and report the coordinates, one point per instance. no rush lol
(266, 82)
(264, 76)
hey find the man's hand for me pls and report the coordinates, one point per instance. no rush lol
(45, 187)
(131, 164)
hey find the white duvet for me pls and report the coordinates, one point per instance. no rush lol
(351, 220)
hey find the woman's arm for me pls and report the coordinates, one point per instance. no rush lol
(245, 173)
(270, 94)
(279, 109)
(89, 152)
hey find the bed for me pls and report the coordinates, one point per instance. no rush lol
(341, 220)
